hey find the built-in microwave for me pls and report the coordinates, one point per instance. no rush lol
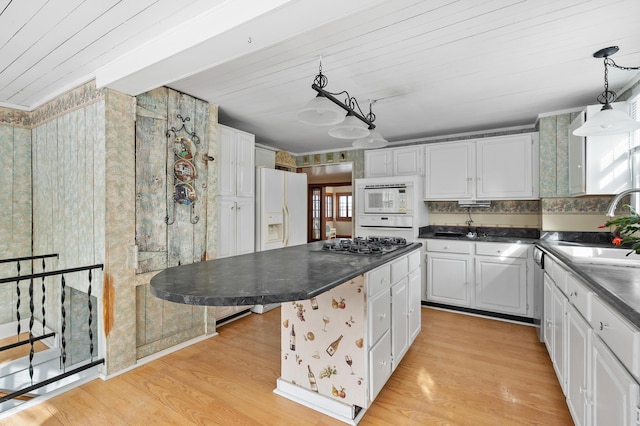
(387, 198)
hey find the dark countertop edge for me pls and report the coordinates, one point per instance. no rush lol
(488, 239)
(206, 300)
(609, 297)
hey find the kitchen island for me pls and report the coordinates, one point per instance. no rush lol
(346, 319)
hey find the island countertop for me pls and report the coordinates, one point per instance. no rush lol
(281, 275)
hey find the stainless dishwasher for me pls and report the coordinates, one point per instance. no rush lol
(538, 291)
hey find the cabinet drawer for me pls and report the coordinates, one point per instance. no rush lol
(622, 338)
(377, 280)
(502, 249)
(579, 296)
(379, 365)
(399, 269)
(557, 273)
(379, 316)
(414, 260)
(449, 246)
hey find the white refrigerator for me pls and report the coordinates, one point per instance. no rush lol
(281, 213)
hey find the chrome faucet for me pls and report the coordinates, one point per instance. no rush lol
(616, 200)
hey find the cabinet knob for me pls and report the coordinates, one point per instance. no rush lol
(382, 316)
(603, 326)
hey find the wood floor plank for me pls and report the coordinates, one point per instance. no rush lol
(462, 370)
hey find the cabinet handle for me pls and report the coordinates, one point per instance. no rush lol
(498, 251)
(383, 362)
(383, 316)
(445, 248)
(603, 326)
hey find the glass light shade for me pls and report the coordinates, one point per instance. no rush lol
(607, 122)
(351, 128)
(320, 111)
(372, 140)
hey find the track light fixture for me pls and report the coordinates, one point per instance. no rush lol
(608, 121)
(327, 110)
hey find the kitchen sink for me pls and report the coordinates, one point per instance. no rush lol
(600, 255)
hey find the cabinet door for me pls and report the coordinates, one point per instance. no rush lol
(559, 337)
(505, 168)
(407, 161)
(226, 161)
(399, 321)
(614, 393)
(578, 341)
(501, 284)
(448, 278)
(245, 164)
(449, 168)
(415, 303)
(577, 177)
(547, 321)
(377, 163)
(245, 226)
(379, 365)
(226, 243)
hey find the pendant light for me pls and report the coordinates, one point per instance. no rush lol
(320, 111)
(350, 128)
(326, 110)
(608, 121)
(373, 139)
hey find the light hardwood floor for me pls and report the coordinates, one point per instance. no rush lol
(462, 370)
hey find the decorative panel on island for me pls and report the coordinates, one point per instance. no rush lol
(323, 343)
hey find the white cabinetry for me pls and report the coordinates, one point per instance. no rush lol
(235, 226)
(596, 354)
(449, 272)
(236, 162)
(449, 170)
(614, 393)
(403, 161)
(497, 168)
(492, 277)
(501, 277)
(235, 200)
(598, 164)
(578, 343)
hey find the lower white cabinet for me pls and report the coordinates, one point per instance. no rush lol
(492, 277)
(595, 352)
(578, 343)
(614, 393)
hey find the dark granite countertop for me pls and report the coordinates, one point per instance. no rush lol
(281, 275)
(619, 286)
(480, 238)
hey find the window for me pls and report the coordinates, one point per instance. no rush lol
(345, 206)
(328, 213)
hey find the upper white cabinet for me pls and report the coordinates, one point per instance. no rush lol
(236, 162)
(598, 164)
(497, 168)
(404, 161)
(449, 168)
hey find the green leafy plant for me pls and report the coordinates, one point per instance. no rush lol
(627, 230)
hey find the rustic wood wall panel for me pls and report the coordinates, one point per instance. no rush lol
(15, 213)
(161, 323)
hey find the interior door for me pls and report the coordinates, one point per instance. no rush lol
(316, 216)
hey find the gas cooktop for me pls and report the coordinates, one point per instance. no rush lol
(364, 246)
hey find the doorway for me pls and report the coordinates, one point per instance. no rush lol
(328, 184)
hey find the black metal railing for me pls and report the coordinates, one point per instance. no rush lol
(32, 338)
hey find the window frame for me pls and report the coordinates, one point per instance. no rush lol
(338, 216)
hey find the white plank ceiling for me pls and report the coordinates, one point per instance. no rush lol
(436, 67)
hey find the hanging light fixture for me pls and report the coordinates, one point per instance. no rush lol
(608, 121)
(326, 110)
(373, 139)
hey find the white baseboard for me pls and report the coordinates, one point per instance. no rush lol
(325, 405)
